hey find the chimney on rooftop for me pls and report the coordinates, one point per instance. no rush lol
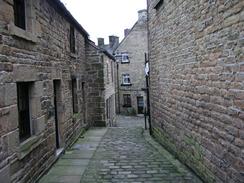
(113, 42)
(100, 42)
(126, 32)
(142, 15)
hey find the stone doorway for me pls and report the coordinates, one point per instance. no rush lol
(57, 100)
(140, 105)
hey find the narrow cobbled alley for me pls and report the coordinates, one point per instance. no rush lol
(125, 153)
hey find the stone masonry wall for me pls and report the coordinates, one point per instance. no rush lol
(109, 83)
(95, 85)
(197, 84)
(39, 55)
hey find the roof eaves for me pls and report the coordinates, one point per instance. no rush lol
(126, 36)
(102, 50)
(59, 7)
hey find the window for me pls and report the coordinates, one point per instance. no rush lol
(112, 71)
(19, 14)
(83, 101)
(126, 79)
(23, 96)
(107, 71)
(74, 96)
(122, 57)
(125, 58)
(72, 39)
(158, 4)
(127, 100)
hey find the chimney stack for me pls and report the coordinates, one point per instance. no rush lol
(126, 32)
(100, 42)
(113, 42)
(142, 15)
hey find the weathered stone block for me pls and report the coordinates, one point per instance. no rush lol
(13, 142)
(40, 125)
(6, 67)
(8, 94)
(6, 12)
(8, 119)
(23, 73)
(5, 174)
(35, 105)
(37, 90)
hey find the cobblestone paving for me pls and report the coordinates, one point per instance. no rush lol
(125, 156)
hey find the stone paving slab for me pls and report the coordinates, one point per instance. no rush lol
(61, 179)
(70, 167)
(68, 170)
(126, 154)
(71, 162)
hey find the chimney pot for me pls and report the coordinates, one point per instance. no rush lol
(100, 42)
(142, 15)
(113, 42)
(126, 32)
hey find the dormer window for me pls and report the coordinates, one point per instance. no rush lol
(19, 14)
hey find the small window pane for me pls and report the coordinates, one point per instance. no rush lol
(23, 110)
(126, 79)
(125, 58)
(72, 39)
(19, 14)
(127, 100)
(74, 96)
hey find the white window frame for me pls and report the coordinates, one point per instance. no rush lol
(125, 58)
(126, 77)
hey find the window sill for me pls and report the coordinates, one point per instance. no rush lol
(126, 84)
(126, 106)
(23, 34)
(28, 146)
(127, 62)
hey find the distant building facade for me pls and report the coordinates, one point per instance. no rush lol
(100, 66)
(47, 92)
(196, 84)
(130, 55)
(111, 47)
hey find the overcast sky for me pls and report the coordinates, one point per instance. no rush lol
(101, 18)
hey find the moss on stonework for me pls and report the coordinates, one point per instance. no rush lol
(76, 138)
(190, 154)
(76, 117)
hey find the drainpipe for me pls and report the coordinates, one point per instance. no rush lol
(118, 87)
(148, 76)
(148, 95)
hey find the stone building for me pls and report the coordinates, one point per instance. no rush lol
(197, 84)
(100, 66)
(110, 48)
(47, 95)
(130, 55)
